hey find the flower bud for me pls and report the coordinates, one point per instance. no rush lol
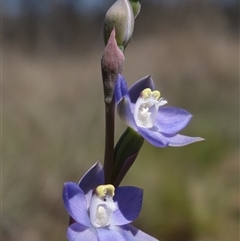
(136, 6)
(119, 16)
(111, 65)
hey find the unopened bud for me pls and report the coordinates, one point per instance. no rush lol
(136, 6)
(111, 65)
(119, 16)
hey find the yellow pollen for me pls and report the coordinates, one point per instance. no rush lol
(146, 93)
(156, 94)
(105, 190)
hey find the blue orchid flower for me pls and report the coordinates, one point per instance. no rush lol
(142, 109)
(101, 212)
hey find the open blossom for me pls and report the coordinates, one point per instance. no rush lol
(101, 212)
(142, 108)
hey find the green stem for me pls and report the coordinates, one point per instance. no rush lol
(109, 140)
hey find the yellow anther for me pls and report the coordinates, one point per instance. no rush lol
(146, 93)
(105, 190)
(156, 94)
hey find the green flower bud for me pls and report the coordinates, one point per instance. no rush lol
(136, 6)
(120, 16)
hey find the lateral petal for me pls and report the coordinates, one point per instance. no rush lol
(129, 230)
(153, 137)
(75, 203)
(181, 140)
(109, 234)
(78, 232)
(171, 120)
(129, 201)
(125, 112)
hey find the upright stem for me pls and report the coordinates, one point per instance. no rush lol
(109, 139)
(111, 65)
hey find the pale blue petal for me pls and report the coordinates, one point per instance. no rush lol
(129, 230)
(153, 137)
(125, 233)
(135, 90)
(125, 112)
(171, 120)
(181, 140)
(121, 88)
(78, 232)
(129, 200)
(109, 234)
(91, 179)
(75, 203)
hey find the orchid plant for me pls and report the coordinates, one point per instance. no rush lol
(99, 209)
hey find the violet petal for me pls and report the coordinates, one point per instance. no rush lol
(121, 88)
(136, 233)
(78, 232)
(91, 179)
(181, 140)
(125, 233)
(129, 200)
(171, 120)
(75, 203)
(135, 90)
(109, 234)
(125, 112)
(153, 137)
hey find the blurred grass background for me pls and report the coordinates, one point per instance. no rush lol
(53, 118)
